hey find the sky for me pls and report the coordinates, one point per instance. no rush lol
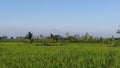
(97, 17)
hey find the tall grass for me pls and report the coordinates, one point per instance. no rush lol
(72, 55)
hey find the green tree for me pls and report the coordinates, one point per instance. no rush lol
(11, 38)
(29, 36)
(87, 37)
(53, 37)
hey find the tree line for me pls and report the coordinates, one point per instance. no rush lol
(52, 38)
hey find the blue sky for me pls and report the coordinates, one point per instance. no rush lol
(98, 17)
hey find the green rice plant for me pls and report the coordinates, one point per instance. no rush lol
(72, 55)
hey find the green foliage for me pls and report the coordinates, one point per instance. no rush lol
(73, 55)
(29, 35)
(112, 42)
(87, 37)
(28, 38)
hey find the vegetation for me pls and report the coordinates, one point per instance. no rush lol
(56, 51)
(72, 55)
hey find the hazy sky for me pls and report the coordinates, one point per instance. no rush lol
(98, 17)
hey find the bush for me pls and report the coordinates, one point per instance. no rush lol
(111, 42)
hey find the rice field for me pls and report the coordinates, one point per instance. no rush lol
(72, 55)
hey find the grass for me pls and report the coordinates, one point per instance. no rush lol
(74, 55)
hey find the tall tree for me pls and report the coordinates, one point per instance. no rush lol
(29, 36)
